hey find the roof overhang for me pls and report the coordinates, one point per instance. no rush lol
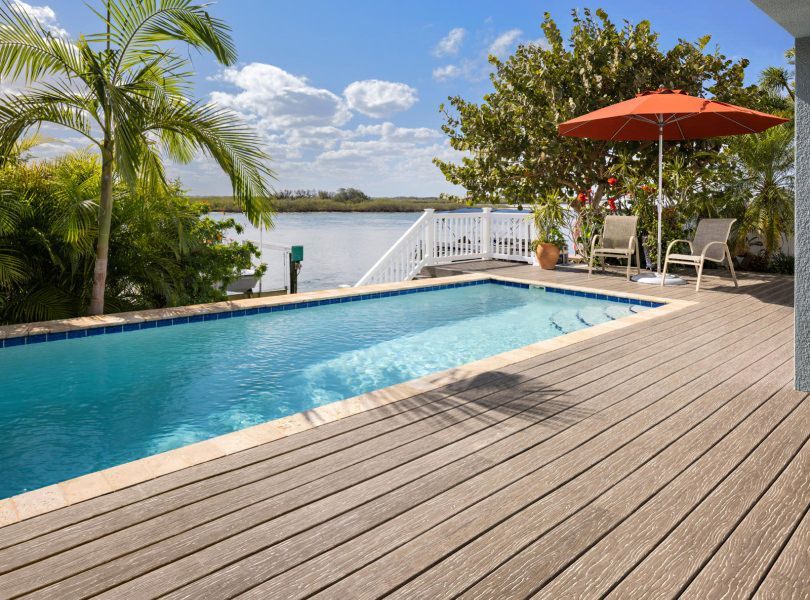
(793, 15)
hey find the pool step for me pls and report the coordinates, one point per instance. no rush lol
(594, 315)
(617, 311)
(567, 321)
(570, 320)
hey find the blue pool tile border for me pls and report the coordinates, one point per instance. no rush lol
(243, 312)
(607, 297)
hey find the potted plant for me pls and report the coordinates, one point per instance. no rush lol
(548, 216)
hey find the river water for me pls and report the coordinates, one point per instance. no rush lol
(338, 247)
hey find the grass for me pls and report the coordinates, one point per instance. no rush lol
(398, 204)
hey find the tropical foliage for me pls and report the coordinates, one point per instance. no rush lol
(127, 92)
(549, 217)
(512, 150)
(164, 251)
(511, 138)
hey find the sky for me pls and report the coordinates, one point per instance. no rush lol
(347, 93)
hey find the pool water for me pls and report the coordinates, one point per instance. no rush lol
(75, 406)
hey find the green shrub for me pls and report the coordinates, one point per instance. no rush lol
(782, 263)
(164, 252)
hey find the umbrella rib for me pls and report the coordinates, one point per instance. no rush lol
(644, 119)
(678, 123)
(737, 122)
(675, 119)
(578, 125)
(619, 130)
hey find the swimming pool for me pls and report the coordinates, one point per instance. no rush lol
(80, 405)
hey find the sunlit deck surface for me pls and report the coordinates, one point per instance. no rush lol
(668, 458)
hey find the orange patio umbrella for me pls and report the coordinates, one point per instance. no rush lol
(665, 114)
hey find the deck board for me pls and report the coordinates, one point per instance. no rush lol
(744, 558)
(787, 578)
(574, 473)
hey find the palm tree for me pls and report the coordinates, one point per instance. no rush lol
(765, 185)
(780, 80)
(128, 95)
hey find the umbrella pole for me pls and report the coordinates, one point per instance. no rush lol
(660, 191)
(650, 278)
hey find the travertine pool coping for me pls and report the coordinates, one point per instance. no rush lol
(59, 495)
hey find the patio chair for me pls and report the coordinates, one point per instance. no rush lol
(617, 240)
(710, 243)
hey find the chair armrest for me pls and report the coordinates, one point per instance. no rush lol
(593, 242)
(673, 242)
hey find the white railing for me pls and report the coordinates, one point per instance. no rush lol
(442, 238)
(406, 257)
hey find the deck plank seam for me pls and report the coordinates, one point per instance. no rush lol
(660, 450)
(777, 555)
(745, 513)
(662, 488)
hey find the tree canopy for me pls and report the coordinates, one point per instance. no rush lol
(513, 150)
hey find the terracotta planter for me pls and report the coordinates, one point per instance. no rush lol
(547, 256)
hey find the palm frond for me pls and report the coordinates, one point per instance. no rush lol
(75, 187)
(137, 25)
(29, 51)
(43, 303)
(12, 266)
(234, 145)
(12, 211)
(23, 112)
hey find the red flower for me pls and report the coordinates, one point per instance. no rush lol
(612, 181)
(612, 204)
(582, 197)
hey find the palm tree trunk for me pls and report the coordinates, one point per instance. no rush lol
(103, 242)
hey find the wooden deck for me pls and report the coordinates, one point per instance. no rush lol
(661, 460)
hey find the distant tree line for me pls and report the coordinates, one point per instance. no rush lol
(342, 195)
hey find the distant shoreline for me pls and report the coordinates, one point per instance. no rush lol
(282, 205)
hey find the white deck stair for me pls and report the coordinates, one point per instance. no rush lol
(444, 237)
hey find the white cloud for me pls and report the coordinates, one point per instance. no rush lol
(45, 15)
(542, 42)
(277, 99)
(382, 159)
(446, 72)
(305, 133)
(388, 165)
(503, 43)
(390, 132)
(375, 98)
(475, 67)
(451, 43)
